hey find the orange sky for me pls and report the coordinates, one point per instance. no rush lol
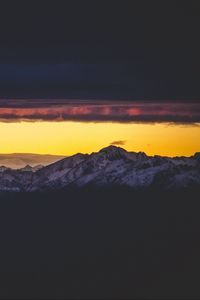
(69, 137)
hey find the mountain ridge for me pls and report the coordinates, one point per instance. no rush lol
(110, 167)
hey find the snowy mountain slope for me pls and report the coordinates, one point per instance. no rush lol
(111, 166)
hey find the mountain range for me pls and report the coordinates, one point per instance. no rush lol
(110, 167)
(21, 160)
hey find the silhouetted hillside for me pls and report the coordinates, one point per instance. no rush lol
(104, 243)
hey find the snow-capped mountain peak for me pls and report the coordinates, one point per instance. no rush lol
(111, 166)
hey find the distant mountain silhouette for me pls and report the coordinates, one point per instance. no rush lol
(21, 160)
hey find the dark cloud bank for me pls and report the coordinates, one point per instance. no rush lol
(132, 50)
(99, 111)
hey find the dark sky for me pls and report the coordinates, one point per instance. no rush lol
(100, 50)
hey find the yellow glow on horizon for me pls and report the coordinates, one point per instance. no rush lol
(67, 138)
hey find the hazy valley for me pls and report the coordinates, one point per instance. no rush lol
(21, 160)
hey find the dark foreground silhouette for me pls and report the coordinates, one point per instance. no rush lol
(100, 244)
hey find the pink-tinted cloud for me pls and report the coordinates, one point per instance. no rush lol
(98, 111)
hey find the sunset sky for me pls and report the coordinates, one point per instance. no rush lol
(66, 127)
(120, 75)
(68, 138)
